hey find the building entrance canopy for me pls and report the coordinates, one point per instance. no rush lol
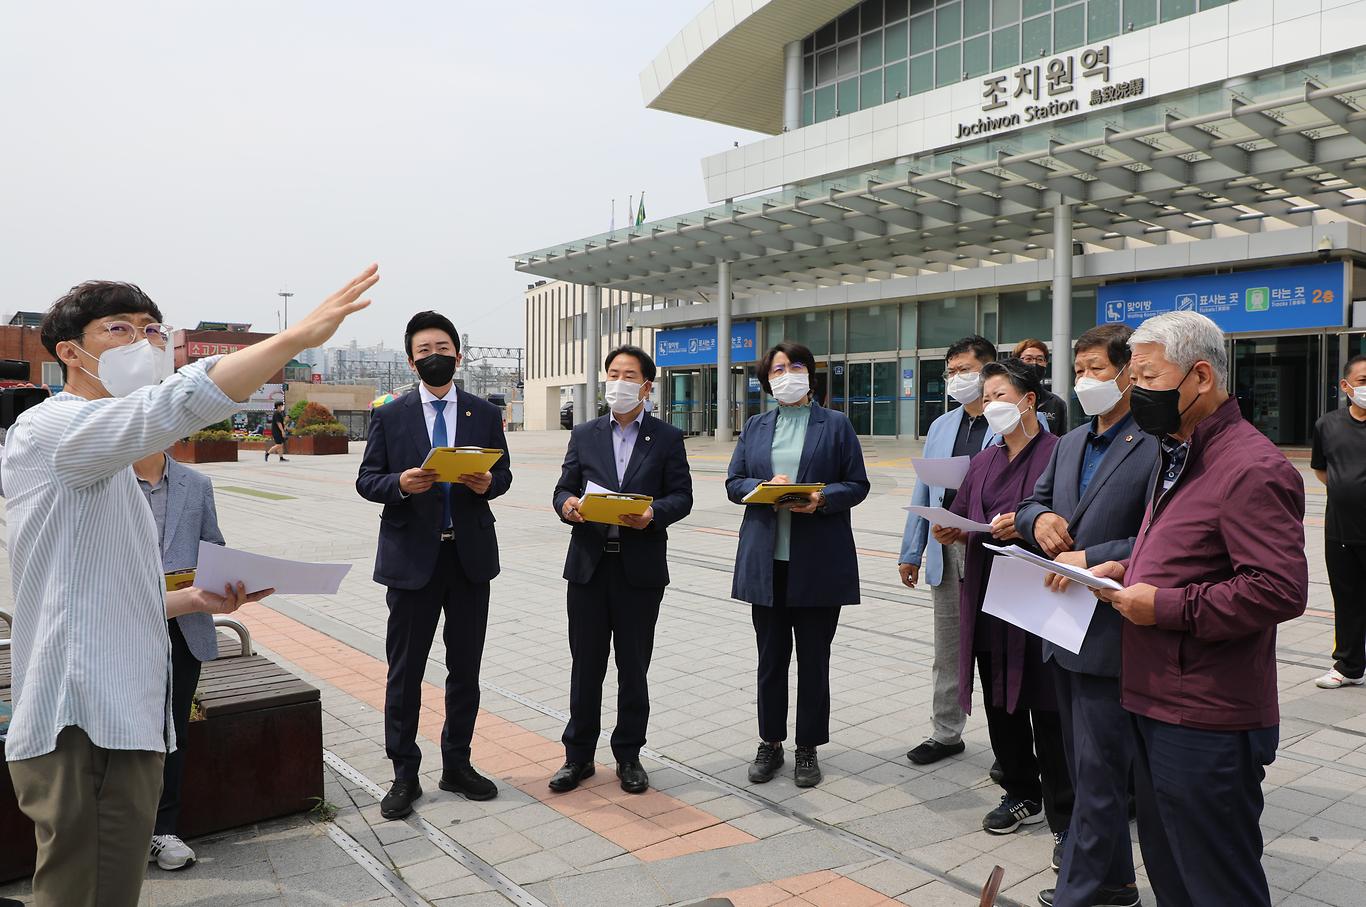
(1248, 166)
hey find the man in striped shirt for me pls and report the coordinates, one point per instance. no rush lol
(91, 655)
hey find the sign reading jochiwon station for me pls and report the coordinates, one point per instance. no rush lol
(1277, 299)
(697, 345)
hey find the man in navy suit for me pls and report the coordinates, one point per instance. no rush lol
(437, 553)
(1086, 509)
(617, 574)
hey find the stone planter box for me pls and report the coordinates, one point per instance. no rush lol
(255, 445)
(204, 451)
(309, 445)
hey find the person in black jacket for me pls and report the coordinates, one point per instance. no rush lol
(437, 554)
(1034, 354)
(617, 574)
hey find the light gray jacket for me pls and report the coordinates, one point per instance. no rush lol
(190, 518)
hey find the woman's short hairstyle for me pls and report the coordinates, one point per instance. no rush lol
(1021, 377)
(794, 352)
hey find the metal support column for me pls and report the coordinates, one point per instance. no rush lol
(1062, 307)
(723, 382)
(592, 352)
(792, 86)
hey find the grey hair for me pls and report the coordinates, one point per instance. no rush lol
(1188, 338)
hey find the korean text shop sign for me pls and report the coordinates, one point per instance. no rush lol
(697, 345)
(1309, 296)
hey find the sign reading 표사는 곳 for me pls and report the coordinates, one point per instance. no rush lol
(1274, 299)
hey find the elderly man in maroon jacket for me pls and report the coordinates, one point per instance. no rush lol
(1218, 563)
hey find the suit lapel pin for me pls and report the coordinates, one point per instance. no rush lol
(647, 437)
(1129, 439)
(468, 413)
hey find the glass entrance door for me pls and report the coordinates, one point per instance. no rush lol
(1275, 381)
(931, 391)
(871, 401)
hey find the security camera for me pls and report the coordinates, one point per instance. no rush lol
(1326, 249)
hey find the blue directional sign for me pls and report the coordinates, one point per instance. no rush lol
(1276, 299)
(697, 345)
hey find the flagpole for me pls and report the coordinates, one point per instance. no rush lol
(613, 227)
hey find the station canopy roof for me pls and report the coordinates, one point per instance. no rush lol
(1267, 153)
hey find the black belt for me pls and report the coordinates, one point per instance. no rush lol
(611, 546)
(448, 535)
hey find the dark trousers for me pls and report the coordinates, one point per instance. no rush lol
(413, 614)
(1098, 738)
(184, 681)
(1347, 579)
(1199, 809)
(607, 614)
(775, 629)
(1028, 745)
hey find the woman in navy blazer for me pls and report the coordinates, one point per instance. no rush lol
(796, 564)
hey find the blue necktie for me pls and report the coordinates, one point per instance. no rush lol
(439, 440)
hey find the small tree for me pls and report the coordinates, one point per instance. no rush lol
(314, 414)
(296, 410)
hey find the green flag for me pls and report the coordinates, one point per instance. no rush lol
(640, 212)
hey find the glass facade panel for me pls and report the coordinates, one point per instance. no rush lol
(1139, 14)
(1102, 19)
(976, 17)
(847, 60)
(1036, 38)
(1175, 9)
(847, 101)
(922, 73)
(1004, 12)
(872, 329)
(1031, 8)
(870, 88)
(948, 24)
(949, 68)
(895, 84)
(908, 325)
(870, 14)
(885, 389)
(1005, 47)
(811, 330)
(897, 9)
(896, 40)
(1069, 28)
(944, 321)
(922, 34)
(825, 103)
(825, 67)
(773, 332)
(871, 51)
(1025, 314)
(977, 56)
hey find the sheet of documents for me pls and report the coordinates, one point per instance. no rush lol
(454, 462)
(1017, 595)
(179, 579)
(938, 516)
(767, 493)
(219, 566)
(1075, 574)
(610, 507)
(941, 472)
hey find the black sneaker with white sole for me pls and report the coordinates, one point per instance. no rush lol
(1011, 814)
(1059, 845)
(1106, 897)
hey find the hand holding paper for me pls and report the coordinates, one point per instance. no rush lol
(938, 516)
(219, 567)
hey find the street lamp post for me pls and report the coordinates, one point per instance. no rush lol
(285, 294)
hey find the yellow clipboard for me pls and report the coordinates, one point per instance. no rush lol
(179, 579)
(774, 494)
(609, 508)
(454, 462)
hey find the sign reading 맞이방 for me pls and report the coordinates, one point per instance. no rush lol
(1277, 299)
(697, 345)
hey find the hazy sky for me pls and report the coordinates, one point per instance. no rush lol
(212, 151)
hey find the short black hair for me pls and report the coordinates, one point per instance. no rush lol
(279, 403)
(1353, 363)
(1023, 378)
(424, 320)
(794, 352)
(84, 303)
(647, 365)
(1115, 339)
(979, 346)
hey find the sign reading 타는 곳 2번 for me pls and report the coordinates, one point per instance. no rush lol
(1276, 299)
(697, 345)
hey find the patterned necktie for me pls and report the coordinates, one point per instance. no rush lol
(439, 440)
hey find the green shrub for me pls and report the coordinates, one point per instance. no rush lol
(213, 434)
(297, 410)
(322, 430)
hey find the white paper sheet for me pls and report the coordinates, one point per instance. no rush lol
(595, 488)
(1017, 595)
(938, 516)
(1075, 574)
(219, 566)
(941, 472)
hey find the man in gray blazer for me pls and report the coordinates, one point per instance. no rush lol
(183, 510)
(1086, 509)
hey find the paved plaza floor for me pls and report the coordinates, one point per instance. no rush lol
(877, 831)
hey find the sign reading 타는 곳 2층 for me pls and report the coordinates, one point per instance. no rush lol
(1276, 299)
(697, 345)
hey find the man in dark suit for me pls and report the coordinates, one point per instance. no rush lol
(616, 574)
(437, 553)
(1086, 509)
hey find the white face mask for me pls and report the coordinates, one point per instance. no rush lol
(622, 396)
(790, 387)
(1003, 417)
(1359, 396)
(124, 369)
(1098, 397)
(965, 388)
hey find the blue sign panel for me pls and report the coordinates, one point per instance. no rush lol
(1277, 299)
(697, 345)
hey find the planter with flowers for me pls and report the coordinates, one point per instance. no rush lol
(212, 445)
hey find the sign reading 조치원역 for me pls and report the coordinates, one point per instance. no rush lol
(697, 345)
(1307, 296)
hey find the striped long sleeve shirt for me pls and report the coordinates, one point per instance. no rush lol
(90, 646)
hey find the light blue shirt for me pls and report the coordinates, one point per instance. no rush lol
(789, 437)
(623, 445)
(90, 646)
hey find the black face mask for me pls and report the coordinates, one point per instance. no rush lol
(436, 370)
(1158, 412)
(1040, 372)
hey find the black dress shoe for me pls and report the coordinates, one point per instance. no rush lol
(399, 801)
(932, 751)
(808, 770)
(1059, 847)
(634, 778)
(569, 776)
(766, 763)
(1105, 897)
(464, 780)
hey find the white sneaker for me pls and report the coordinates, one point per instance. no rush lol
(1335, 679)
(170, 853)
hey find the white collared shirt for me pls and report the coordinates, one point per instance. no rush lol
(429, 412)
(90, 645)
